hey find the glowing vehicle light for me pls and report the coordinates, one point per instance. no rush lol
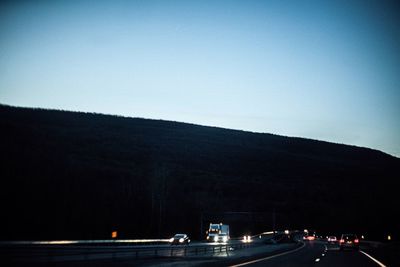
(114, 234)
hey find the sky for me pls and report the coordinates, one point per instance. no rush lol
(326, 70)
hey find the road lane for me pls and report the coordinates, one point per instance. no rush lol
(336, 257)
(301, 257)
(268, 257)
(315, 253)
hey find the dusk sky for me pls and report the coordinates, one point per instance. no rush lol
(326, 70)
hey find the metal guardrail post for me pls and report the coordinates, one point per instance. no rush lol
(184, 252)
(50, 254)
(86, 254)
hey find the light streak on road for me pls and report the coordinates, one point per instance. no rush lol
(67, 242)
(372, 258)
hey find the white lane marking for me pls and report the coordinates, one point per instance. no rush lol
(269, 257)
(372, 258)
(317, 260)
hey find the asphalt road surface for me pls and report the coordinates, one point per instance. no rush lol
(314, 253)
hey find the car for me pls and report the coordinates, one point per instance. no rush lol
(246, 239)
(332, 239)
(180, 239)
(349, 241)
(309, 237)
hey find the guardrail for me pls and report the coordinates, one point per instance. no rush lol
(79, 253)
(113, 242)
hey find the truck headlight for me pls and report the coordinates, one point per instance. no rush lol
(171, 239)
(216, 238)
(225, 238)
(181, 240)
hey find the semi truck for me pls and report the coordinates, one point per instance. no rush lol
(218, 232)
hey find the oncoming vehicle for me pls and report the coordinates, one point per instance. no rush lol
(246, 239)
(349, 241)
(223, 237)
(180, 239)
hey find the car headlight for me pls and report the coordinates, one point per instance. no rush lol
(216, 238)
(171, 240)
(181, 240)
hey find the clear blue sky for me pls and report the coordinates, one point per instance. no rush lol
(326, 70)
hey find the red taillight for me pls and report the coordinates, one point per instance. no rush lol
(355, 240)
(341, 240)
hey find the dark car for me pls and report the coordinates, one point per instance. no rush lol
(349, 241)
(180, 239)
(332, 239)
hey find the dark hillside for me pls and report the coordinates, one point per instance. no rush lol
(69, 175)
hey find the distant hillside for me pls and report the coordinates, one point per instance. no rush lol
(78, 175)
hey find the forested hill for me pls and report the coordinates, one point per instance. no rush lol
(72, 175)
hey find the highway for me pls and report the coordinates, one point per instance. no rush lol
(314, 253)
(261, 252)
